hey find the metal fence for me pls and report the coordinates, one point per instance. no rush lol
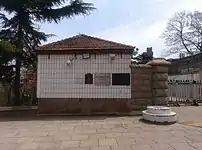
(185, 91)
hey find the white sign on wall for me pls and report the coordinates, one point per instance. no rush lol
(102, 79)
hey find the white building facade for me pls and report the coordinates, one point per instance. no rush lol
(99, 72)
(64, 76)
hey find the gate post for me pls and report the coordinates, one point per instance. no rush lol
(141, 90)
(159, 81)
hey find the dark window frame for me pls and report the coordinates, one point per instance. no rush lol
(118, 79)
(89, 78)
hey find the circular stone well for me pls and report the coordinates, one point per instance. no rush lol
(159, 114)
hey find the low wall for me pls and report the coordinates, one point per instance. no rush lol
(83, 106)
(18, 111)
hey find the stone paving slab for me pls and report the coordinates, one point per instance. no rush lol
(101, 133)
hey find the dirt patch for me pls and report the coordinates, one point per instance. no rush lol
(194, 124)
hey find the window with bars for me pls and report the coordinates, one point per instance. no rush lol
(121, 79)
(88, 78)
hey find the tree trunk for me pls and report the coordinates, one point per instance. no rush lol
(10, 91)
(17, 83)
(19, 46)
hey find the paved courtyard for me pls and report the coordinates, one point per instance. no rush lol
(101, 133)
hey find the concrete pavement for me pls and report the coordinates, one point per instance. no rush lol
(101, 133)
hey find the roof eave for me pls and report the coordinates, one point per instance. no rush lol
(99, 48)
(88, 50)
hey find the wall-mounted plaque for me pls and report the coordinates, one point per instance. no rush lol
(102, 79)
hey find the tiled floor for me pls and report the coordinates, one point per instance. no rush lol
(101, 133)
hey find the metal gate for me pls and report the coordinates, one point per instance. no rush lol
(185, 91)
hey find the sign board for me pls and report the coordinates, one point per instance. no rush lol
(86, 56)
(102, 79)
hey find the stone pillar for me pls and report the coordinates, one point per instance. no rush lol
(159, 81)
(141, 89)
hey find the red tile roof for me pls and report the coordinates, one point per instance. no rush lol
(84, 42)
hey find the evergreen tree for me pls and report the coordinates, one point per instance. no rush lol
(20, 29)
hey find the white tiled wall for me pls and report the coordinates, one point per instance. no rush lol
(57, 79)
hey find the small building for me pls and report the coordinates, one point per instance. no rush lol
(186, 68)
(82, 74)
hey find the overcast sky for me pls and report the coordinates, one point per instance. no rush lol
(134, 22)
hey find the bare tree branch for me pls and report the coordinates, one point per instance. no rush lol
(184, 33)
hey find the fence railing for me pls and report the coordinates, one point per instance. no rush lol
(185, 91)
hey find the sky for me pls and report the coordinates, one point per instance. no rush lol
(138, 23)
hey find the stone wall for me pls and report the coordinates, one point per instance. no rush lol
(149, 84)
(83, 106)
(159, 82)
(141, 86)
